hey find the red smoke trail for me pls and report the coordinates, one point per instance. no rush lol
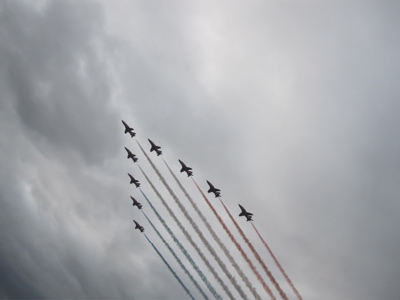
(246, 258)
(278, 264)
(217, 239)
(269, 274)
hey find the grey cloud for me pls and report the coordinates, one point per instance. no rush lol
(57, 120)
(57, 71)
(298, 123)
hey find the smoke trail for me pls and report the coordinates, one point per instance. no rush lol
(269, 274)
(278, 264)
(226, 252)
(246, 258)
(215, 294)
(187, 235)
(189, 258)
(169, 267)
(176, 257)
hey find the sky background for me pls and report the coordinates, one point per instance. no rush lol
(289, 107)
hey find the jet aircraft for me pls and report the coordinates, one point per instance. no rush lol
(245, 213)
(155, 148)
(138, 226)
(133, 180)
(128, 129)
(214, 190)
(131, 155)
(186, 169)
(136, 203)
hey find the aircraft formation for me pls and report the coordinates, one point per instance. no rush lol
(218, 287)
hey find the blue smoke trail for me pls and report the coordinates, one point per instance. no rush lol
(169, 267)
(196, 228)
(176, 257)
(189, 258)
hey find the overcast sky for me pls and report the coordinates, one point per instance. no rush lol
(291, 108)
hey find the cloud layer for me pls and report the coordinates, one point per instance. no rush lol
(291, 110)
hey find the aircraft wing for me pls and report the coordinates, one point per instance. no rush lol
(184, 167)
(243, 211)
(127, 128)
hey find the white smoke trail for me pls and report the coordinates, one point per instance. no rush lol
(176, 257)
(187, 235)
(215, 294)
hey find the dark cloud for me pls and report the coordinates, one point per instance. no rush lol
(66, 216)
(57, 115)
(290, 109)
